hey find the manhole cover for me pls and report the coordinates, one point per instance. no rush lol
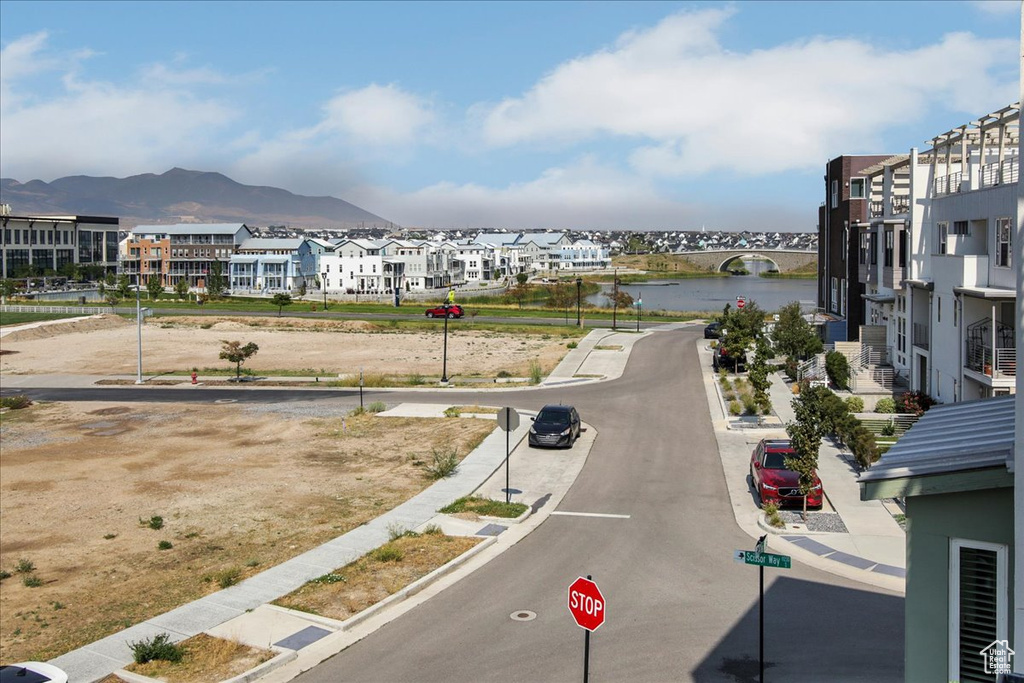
(523, 615)
(226, 400)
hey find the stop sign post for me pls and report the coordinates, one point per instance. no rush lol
(508, 420)
(587, 606)
(740, 302)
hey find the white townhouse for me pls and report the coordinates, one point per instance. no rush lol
(272, 265)
(936, 259)
(477, 259)
(508, 259)
(361, 266)
(584, 255)
(544, 250)
(428, 265)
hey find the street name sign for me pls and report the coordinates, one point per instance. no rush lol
(762, 559)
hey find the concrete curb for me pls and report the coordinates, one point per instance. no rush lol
(508, 520)
(282, 657)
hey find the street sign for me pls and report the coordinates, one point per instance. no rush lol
(740, 302)
(586, 604)
(508, 419)
(762, 559)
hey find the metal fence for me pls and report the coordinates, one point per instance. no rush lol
(80, 310)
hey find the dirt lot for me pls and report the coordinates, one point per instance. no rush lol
(238, 488)
(106, 345)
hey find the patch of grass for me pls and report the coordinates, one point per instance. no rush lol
(484, 506)
(771, 514)
(571, 345)
(376, 407)
(32, 581)
(478, 410)
(25, 566)
(503, 374)
(396, 531)
(735, 408)
(205, 658)
(536, 375)
(432, 530)
(417, 379)
(387, 553)
(108, 537)
(226, 578)
(4, 574)
(444, 463)
(15, 402)
(329, 578)
(156, 522)
(252, 564)
(164, 545)
(452, 411)
(19, 318)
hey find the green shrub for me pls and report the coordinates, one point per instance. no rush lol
(571, 345)
(32, 581)
(433, 530)
(735, 407)
(358, 410)
(725, 383)
(109, 537)
(889, 428)
(329, 578)
(855, 404)
(838, 369)
(387, 553)
(453, 411)
(396, 531)
(914, 403)
(158, 647)
(164, 545)
(535, 372)
(25, 566)
(15, 402)
(417, 380)
(862, 445)
(749, 404)
(504, 374)
(376, 407)
(445, 462)
(155, 522)
(771, 515)
(885, 405)
(4, 574)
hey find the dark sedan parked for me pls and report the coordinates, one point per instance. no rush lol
(555, 426)
(713, 331)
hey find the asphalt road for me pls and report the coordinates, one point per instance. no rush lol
(678, 607)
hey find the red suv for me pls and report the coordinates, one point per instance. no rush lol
(450, 311)
(773, 481)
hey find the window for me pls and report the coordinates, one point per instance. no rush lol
(873, 248)
(938, 309)
(961, 228)
(904, 247)
(977, 605)
(1004, 235)
(943, 232)
(856, 188)
(835, 193)
(835, 295)
(888, 247)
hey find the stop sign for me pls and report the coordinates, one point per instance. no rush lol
(740, 302)
(586, 604)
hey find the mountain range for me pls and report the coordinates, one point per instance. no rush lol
(181, 196)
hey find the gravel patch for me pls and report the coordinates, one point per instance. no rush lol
(816, 521)
(309, 409)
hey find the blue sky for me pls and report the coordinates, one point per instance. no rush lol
(523, 115)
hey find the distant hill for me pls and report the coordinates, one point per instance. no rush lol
(181, 196)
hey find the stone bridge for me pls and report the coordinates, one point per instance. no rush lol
(718, 259)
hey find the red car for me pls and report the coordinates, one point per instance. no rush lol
(451, 311)
(774, 482)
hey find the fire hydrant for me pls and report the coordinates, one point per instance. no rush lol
(194, 377)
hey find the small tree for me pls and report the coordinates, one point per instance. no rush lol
(124, 286)
(805, 434)
(741, 328)
(215, 280)
(521, 279)
(793, 336)
(619, 298)
(234, 352)
(759, 376)
(112, 298)
(302, 287)
(519, 290)
(7, 288)
(281, 300)
(561, 296)
(154, 287)
(181, 288)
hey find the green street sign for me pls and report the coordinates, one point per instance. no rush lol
(763, 559)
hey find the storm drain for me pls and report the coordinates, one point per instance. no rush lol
(491, 530)
(523, 615)
(306, 636)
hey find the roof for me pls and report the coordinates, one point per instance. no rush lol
(190, 229)
(271, 243)
(954, 437)
(987, 292)
(880, 298)
(498, 238)
(543, 239)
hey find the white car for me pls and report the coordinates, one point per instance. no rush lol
(32, 672)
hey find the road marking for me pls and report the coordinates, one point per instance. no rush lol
(589, 514)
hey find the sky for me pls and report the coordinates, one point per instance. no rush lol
(483, 115)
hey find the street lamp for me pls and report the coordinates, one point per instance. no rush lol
(579, 284)
(138, 326)
(323, 287)
(639, 308)
(444, 366)
(615, 298)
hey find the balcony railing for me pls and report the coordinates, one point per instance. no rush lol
(941, 185)
(876, 210)
(900, 204)
(999, 174)
(922, 335)
(1002, 363)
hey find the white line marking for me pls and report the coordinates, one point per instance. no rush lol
(589, 514)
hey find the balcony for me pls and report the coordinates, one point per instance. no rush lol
(998, 361)
(999, 174)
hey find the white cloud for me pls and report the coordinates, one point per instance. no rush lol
(693, 106)
(998, 7)
(377, 116)
(96, 127)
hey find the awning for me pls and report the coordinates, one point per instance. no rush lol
(879, 298)
(986, 292)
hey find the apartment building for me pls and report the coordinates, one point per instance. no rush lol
(845, 206)
(584, 255)
(183, 251)
(272, 265)
(361, 266)
(935, 259)
(48, 245)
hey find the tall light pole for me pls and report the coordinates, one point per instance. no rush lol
(615, 298)
(639, 308)
(444, 366)
(579, 284)
(323, 287)
(138, 326)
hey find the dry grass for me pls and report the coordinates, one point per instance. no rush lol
(376, 575)
(478, 410)
(207, 660)
(239, 491)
